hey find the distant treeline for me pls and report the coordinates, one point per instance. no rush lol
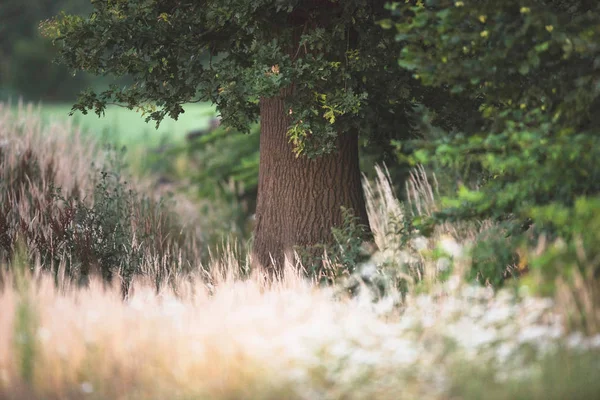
(26, 58)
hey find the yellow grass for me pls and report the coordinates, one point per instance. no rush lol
(250, 339)
(59, 146)
(247, 340)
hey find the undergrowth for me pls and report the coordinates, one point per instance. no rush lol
(69, 203)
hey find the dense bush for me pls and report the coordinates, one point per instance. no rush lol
(533, 71)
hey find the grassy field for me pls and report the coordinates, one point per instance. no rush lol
(172, 324)
(128, 128)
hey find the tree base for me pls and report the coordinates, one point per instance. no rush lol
(300, 200)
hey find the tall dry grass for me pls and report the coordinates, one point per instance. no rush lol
(258, 339)
(59, 151)
(409, 255)
(242, 339)
(67, 201)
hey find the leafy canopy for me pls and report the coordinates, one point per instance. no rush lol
(342, 65)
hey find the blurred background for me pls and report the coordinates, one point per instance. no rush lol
(28, 73)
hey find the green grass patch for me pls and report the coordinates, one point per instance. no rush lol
(128, 128)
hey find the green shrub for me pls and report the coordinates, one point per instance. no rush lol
(531, 71)
(328, 263)
(568, 267)
(493, 257)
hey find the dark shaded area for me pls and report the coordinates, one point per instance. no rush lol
(27, 67)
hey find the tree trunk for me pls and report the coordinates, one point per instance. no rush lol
(300, 199)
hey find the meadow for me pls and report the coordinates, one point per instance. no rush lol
(109, 292)
(124, 127)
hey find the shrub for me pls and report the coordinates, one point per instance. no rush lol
(532, 74)
(328, 263)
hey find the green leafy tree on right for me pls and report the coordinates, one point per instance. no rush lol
(533, 68)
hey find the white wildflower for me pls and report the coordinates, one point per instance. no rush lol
(443, 264)
(368, 269)
(469, 335)
(87, 387)
(477, 311)
(532, 333)
(362, 358)
(498, 314)
(575, 340)
(405, 352)
(385, 305)
(504, 351)
(44, 334)
(453, 283)
(420, 243)
(451, 247)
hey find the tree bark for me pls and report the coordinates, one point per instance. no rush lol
(300, 199)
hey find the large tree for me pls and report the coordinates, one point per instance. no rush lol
(318, 73)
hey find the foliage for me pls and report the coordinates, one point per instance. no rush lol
(581, 224)
(123, 127)
(328, 263)
(341, 63)
(212, 167)
(533, 70)
(349, 238)
(494, 257)
(32, 58)
(571, 267)
(102, 235)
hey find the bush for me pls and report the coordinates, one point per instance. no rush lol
(580, 224)
(327, 264)
(532, 73)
